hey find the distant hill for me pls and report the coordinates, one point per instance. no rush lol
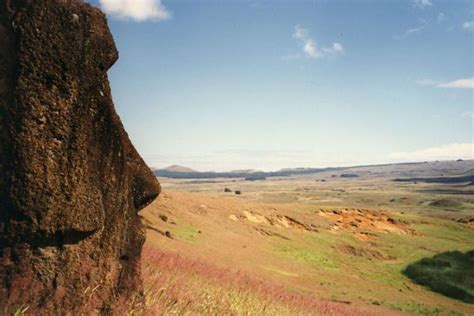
(244, 171)
(469, 173)
(466, 177)
(349, 175)
(441, 172)
(177, 168)
(257, 175)
(294, 169)
(460, 179)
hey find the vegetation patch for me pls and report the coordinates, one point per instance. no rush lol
(363, 252)
(307, 256)
(448, 204)
(187, 233)
(450, 273)
(415, 308)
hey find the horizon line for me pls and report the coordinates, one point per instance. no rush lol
(321, 168)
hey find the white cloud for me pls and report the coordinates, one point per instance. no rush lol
(300, 33)
(445, 152)
(309, 47)
(334, 49)
(468, 26)
(138, 10)
(467, 83)
(441, 17)
(422, 3)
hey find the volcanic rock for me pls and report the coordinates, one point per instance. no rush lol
(71, 182)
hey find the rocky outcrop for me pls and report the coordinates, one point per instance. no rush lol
(71, 182)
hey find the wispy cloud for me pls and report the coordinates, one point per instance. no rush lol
(444, 152)
(411, 31)
(426, 82)
(467, 83)
(255, 4)
(310, 48)
(468, 114)
(468, 26)
(421, 4)
(137, 10)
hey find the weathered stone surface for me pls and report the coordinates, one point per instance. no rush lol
(71, 182)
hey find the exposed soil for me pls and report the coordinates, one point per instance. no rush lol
(364, 223)
(279, 221)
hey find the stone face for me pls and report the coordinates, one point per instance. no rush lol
(71, 182)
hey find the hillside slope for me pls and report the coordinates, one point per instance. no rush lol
(291, 256)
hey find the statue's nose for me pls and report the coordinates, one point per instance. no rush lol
(145, 189)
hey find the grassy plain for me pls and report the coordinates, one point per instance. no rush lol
(318, 244)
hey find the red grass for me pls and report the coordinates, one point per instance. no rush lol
(175, 283)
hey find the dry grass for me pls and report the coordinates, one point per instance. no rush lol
(299, 245)
(175, 284)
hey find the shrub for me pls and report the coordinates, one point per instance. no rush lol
(448, 273)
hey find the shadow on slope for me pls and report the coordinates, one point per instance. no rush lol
(449, 273)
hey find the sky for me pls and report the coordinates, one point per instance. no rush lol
(255, 84)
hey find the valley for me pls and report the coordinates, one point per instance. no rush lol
(311, 244)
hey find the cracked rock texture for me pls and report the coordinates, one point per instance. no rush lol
(71, 182)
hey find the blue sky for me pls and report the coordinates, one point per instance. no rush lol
(220, 85)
